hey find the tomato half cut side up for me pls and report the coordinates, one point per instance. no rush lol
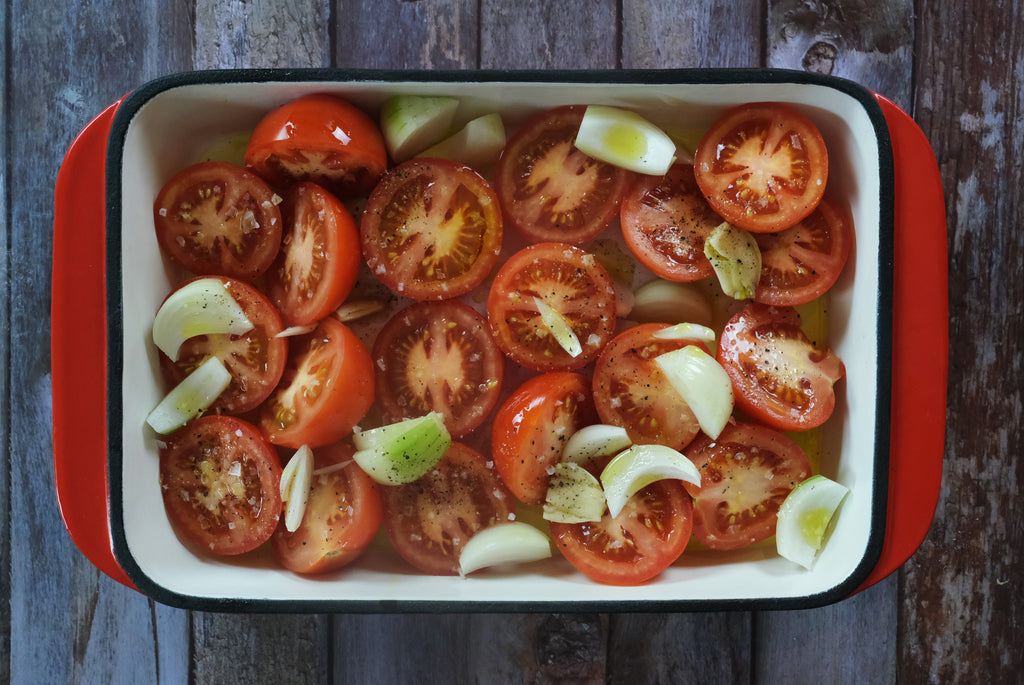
(762, 166)
(805, 260)
(532, 426)
(430, 520)
(551, 191)
(221, 484)
(319, 258)
(631, 390)
(343, 513)
(255, 359)
(572, 283)
(779, 377)
(219, 219)
(665, 221)
(431, 229)
(647, 536)
(320, 138)
(438, 356)
(745, 476)
(327, 388)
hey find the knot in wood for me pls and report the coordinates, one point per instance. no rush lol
(820, 58)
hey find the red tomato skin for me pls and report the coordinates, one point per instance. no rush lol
(531, 427)
(526, 210)
(459, 497)
(747, 462)
(255, 359)
(665, 221)
(299, 413)
(437, 335)
(731, 168)
(635, 546)
(343, 514)
(805, 260)
(745, 348)
(304, 296)
(656, 414)
(197, 460)
(524, 337)
(215, 218)
(320, 138)
(419, 189)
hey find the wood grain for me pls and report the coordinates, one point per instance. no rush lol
(962, 606)
(953, 614)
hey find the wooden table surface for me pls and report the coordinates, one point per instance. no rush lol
(953, 613)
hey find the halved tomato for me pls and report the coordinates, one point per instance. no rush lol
(570, 282)
(430, 520)
(256, 359)
(552, 192)
(221, 484)
(630, 389)
(431, 229)
(320, 138)
(778, 375)
(647, 536)
(217, 218)
(327, 387)
(342, 516)
(665, 220)
(438, 356)
(532, 426)
(319, 258)
(803, 261)
(744, 477)
(762, 166)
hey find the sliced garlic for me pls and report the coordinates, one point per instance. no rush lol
(661, 301)
(190, 397)
(687, 331)
(625, 139)
(296, 480)
(805, 518)
(292, 331)
(597, 440)
(559, 327)
(357, 309)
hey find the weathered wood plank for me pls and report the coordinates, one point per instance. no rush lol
(406, 34)
(261, 33)
(665, 34)
(962, 601)
(5, 416)
(67, 623)
(548, 35)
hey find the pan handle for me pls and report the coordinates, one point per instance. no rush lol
(920, 355)
(78, 345)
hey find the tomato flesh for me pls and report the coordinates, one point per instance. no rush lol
(762, 166)
(438, 356)
(319, 138)
(779, 377)
(215, 218)
(327, 387)
(746, 474)
(319, 258)
(255, 359)
(647, 536)
(631, 391)
(532, 426)
(665, 221)
(343, 513)
(221, 482)
(552, 192)
(571, 282)
(431, 229)
(430, 520)
(805, 260)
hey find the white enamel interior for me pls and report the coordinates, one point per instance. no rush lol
(175, 126)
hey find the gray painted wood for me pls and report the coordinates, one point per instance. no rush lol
(951, 614)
